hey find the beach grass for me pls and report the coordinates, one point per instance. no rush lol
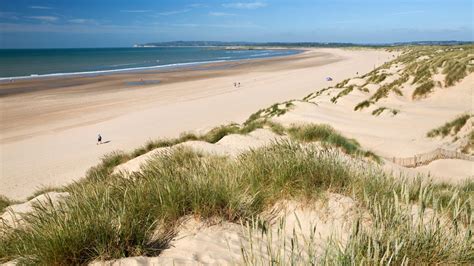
(108, 216)
(376, 79)
(362, 105)
(450, 128)
(44, 190)
(417, 66)
(326, 135)
(469, 146)
(398, 231)
(382, 109)
(455, 71)
(344, 92)
(4, 203)
(119, 217)
(423, 89)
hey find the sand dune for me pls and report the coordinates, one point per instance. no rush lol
(198, 242)
(394, 126)
(54, 143)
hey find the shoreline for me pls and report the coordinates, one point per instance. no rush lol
(52, 142)
(173, 66)
(28, 84)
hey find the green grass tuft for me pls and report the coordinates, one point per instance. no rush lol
(469, 147)
(4, 203)
(344, 92)
(380, 110)
(363, 105)
(119, 217)
(44, 190)
(450, 128)
(455, 71)
(423, 89)
(328, 136)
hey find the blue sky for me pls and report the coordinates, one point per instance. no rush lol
(110, 23)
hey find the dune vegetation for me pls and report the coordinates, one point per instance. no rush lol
(109, 216)
(451, 127)
(469, 146)
(4, 203)
(423, 68)
(417, 66)
(380, 110)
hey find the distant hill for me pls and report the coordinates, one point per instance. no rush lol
(290, 44)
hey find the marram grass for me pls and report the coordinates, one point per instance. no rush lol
(451, 127)
(116, 217)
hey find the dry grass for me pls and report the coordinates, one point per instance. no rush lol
(423, 90)
(450, 128)
(4, 203)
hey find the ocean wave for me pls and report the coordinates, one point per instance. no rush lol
(110, 70)
(263, 53)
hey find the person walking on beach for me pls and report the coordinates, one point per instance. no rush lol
(99, 139)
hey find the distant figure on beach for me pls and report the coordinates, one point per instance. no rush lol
(328, 79)
(235, 84)
(99, 139)
(238, 85)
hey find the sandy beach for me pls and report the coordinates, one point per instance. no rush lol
(49, 127)
(236, 133)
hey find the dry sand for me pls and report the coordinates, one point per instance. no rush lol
(399, 136)
(49, 127)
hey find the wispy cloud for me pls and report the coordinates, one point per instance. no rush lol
(173, 12)
(40, 7)
(349, 21)
(136, 11)
(44, 18)
(77, 28)
(246, 5)
(8, 15)
(409, 12)
(220, 14)
(197, 5)
(82, 21)
(226, 26)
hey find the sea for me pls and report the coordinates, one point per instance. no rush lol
(37, 63)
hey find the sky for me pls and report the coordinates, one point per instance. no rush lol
(122, 23)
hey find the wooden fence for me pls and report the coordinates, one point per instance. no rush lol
(426, 158)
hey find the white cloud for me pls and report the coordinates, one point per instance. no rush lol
(220, 14)
(40, 7)
(136, 11)
(246, 5)
(44, 18)
(82, 21)
(77, 28)
(174, 12)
